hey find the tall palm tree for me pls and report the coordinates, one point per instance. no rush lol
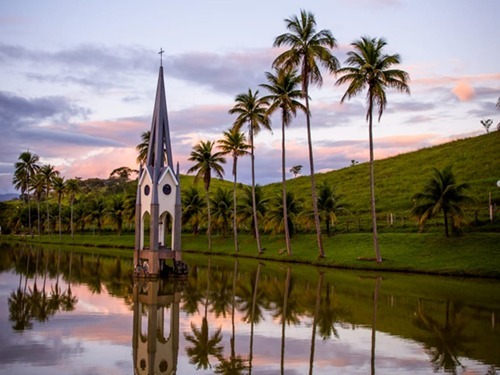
(442, 193)
(252, 110)
(206, 161)
(284, 92)
(308, 48)
(26, 168)
(48, 172)
(369, 67)
(37, 183)
(72, 188)
(234, 143)
(59, 189)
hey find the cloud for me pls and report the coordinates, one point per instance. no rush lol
(228, 73)
(463, 91)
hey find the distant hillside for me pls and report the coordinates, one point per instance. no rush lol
(8, 197)
(475, 161)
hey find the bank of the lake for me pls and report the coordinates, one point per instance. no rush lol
(473, 254)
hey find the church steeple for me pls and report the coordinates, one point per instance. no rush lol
(158, 192)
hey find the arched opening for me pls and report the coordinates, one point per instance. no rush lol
(146, 229)
(165, 230)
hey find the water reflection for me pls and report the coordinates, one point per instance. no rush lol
(29, 303)
(156, 350)
(242, 317)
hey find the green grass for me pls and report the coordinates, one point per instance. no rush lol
(474, 254)
(475, 160)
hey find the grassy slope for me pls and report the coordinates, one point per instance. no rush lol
(475, 161)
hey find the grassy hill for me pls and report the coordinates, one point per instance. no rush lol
(475, 161)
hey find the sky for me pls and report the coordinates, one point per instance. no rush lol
(78, 79)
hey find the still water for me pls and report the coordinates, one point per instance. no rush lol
(66, 312)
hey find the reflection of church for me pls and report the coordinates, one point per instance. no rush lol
(155, 350)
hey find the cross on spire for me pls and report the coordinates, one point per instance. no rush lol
(161, 56)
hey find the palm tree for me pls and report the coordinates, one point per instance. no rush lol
(48, 172)
(329, 204)
(207, 161)
(307, 49)
(252, 110)
(234, 143)
(192, 207)
(246, 209)
(221, 201)
(97, 210)
(72, 188)
(276, 217)
(142, 147)
(26, 168)
(283, 96)
(441, 193)
(116, 211)
(59, 188)
(371, 68)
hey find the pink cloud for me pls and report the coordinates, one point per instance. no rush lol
(463, 91)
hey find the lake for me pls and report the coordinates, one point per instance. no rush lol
(73, 311)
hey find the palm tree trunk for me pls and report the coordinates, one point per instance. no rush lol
(209, 230)
(283, 316)
(285, 208)
(72, 230)
(445, 214)
(372, 181)
(60, 232)
(254, 203)
(313, 183)
(29, 210)
(39, 219)
(235, 228)
(48, 218)
(254, 302)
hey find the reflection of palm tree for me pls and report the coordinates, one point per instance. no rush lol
(20, 305)
(329, 313)
(445, 343)
(374, 323)
(236, 363)
(220, 294)
(204, 344)
(192, 296)
(251, 306)
(315, 320)
(20, 310)
(286, 309)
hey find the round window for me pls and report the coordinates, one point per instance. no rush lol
(167, 189)
(147, 189)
